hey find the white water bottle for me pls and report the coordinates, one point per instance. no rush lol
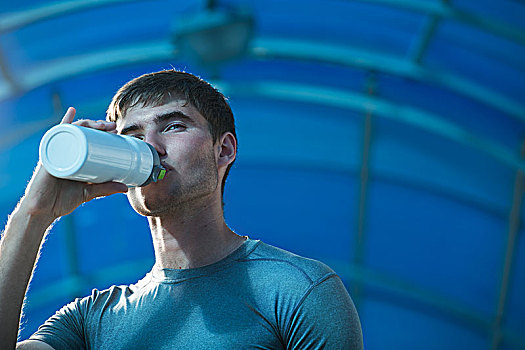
(83, 154)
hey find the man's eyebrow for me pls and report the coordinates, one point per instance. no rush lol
(172, 115)
(130, 128)
(158, 119)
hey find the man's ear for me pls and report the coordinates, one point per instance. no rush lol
(227, 149)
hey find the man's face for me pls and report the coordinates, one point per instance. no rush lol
(181, 136)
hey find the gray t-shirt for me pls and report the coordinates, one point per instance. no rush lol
(259, 297)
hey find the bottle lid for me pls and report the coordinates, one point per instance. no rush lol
(63, 150)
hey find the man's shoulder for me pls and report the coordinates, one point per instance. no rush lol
(105, 297)
(280, 262)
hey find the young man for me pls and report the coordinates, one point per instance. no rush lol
(209, 288)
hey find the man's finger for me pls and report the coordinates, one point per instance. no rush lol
(69, 116)
(100, 125)
(104, 189)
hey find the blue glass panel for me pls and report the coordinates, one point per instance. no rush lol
(307, 212)
(412, 155)
(303, 72)
(34, 105)
(89, 30)
(16, 167)
(111, 233)
(387, 325)
(474, 116)
(342, 22)
(458, 58)
(508, 12)
(441, 245)
(309, 135)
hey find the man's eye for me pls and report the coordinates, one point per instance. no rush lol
(175, 126)
(140, 137)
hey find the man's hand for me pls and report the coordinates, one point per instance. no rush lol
(46, 199)
(50, 197)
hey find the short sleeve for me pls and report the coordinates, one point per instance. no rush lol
(65, 329)
(325, 318)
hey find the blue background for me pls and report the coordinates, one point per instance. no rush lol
(381, 137)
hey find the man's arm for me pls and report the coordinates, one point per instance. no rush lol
(46, 199)
(18, 253)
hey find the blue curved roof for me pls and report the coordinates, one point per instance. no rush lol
(383, 137)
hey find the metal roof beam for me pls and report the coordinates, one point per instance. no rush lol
(419, 48)
(11, 84)
(153, 51)
(447, 11)
(83, 64)
(14, 20)
(270, 48)
(361, 102)
(22, 18)
(369, 60)
(364, 177)
(513, 228)
(415, 296)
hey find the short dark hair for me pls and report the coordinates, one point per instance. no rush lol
(158, 88)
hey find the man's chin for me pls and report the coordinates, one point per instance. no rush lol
(147, 204)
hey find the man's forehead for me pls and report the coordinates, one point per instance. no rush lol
(145, 114)
(144, 108)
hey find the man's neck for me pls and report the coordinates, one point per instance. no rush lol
(190, 238)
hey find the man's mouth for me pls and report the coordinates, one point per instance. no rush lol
(166, 166)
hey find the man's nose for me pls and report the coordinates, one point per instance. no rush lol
(155, 140)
